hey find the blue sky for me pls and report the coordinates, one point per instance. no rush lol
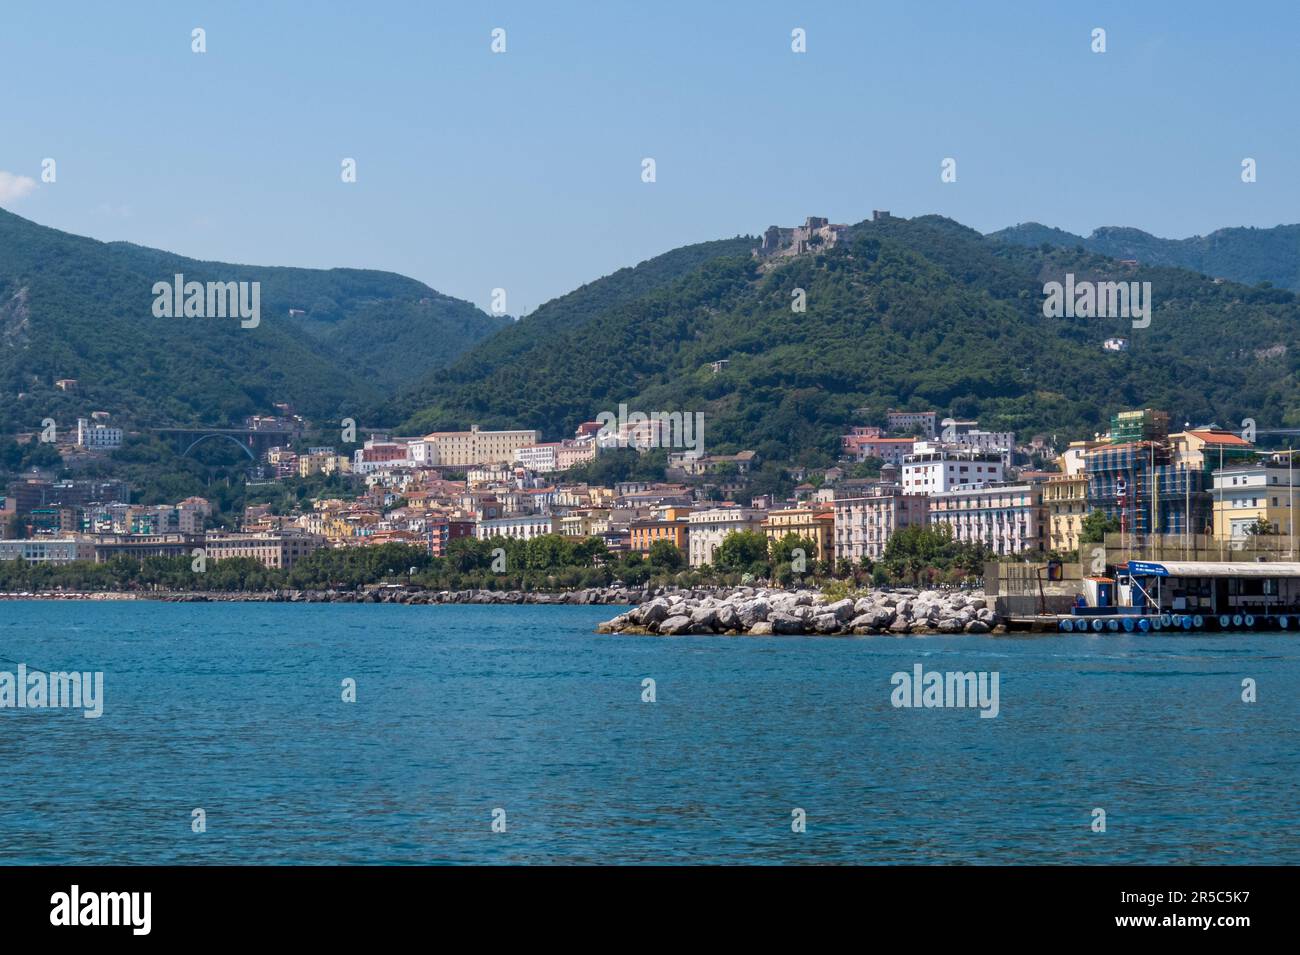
(522, 170)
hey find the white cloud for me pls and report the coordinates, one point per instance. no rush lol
(15, 187)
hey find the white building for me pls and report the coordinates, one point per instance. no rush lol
(97, 437)
(519, 527)
(541, 458)
(1007, 518)
(709, 527)
(986, 440)
(192, 515)
(931, 469)
(45, 550)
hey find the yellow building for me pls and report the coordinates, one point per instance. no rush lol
(1247, 494)
(671, 524)
(465, 448)
(323, 462)
(815, 523)
(585, 523)
(1065, 497)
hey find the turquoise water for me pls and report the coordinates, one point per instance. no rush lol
(237, 709)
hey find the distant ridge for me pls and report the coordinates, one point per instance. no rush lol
(331, 342)
(920, 313)
(1246, 255)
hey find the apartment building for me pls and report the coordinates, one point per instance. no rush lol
(323, 461)
(282, 548)
(667, 523)
(863, 442)
(931, 469)
(864, 524)
(543, 457)
(45, 550)
(588, 522)
(97, 437)
(817, 523)
(1247, 494)
(708, 529)
(570, 454)
(1065, 497)
(911, 420)
(1007, 518)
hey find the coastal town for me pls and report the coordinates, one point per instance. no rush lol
(1006, 499)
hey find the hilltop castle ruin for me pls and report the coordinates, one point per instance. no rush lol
(814, 235)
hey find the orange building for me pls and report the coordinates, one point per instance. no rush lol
(672, 524)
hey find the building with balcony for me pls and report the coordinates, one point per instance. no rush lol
(1246, 497)
(864, 524)
(518, 527)
(933, 469)
(709, 527)
(816, 523)
(670, 523)
(282, 548)
(1006, 518)
(1065, 497)
(47, 550)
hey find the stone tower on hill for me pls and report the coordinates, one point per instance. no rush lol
(815, 234)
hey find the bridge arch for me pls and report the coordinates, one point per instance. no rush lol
(233, 440)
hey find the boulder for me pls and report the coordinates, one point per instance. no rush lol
(675, 625)
(752, 612)
(841, 609)
(653, 612)
(704, 617)
(826, 623)
(785, 622)
(761, 629)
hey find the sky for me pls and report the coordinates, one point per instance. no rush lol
(523, 170)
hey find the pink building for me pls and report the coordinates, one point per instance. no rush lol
(864, 442)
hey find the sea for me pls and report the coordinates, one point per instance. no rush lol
(257, 733)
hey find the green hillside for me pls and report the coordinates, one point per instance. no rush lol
(921, 313)
(1249, 256)
(72, 307)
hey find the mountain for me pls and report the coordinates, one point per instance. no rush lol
(921, 313)
(73, 307)
(1249, 256)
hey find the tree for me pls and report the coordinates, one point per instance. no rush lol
(740, 549)
(783, 551)
(1096, 526)
(665, 555)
